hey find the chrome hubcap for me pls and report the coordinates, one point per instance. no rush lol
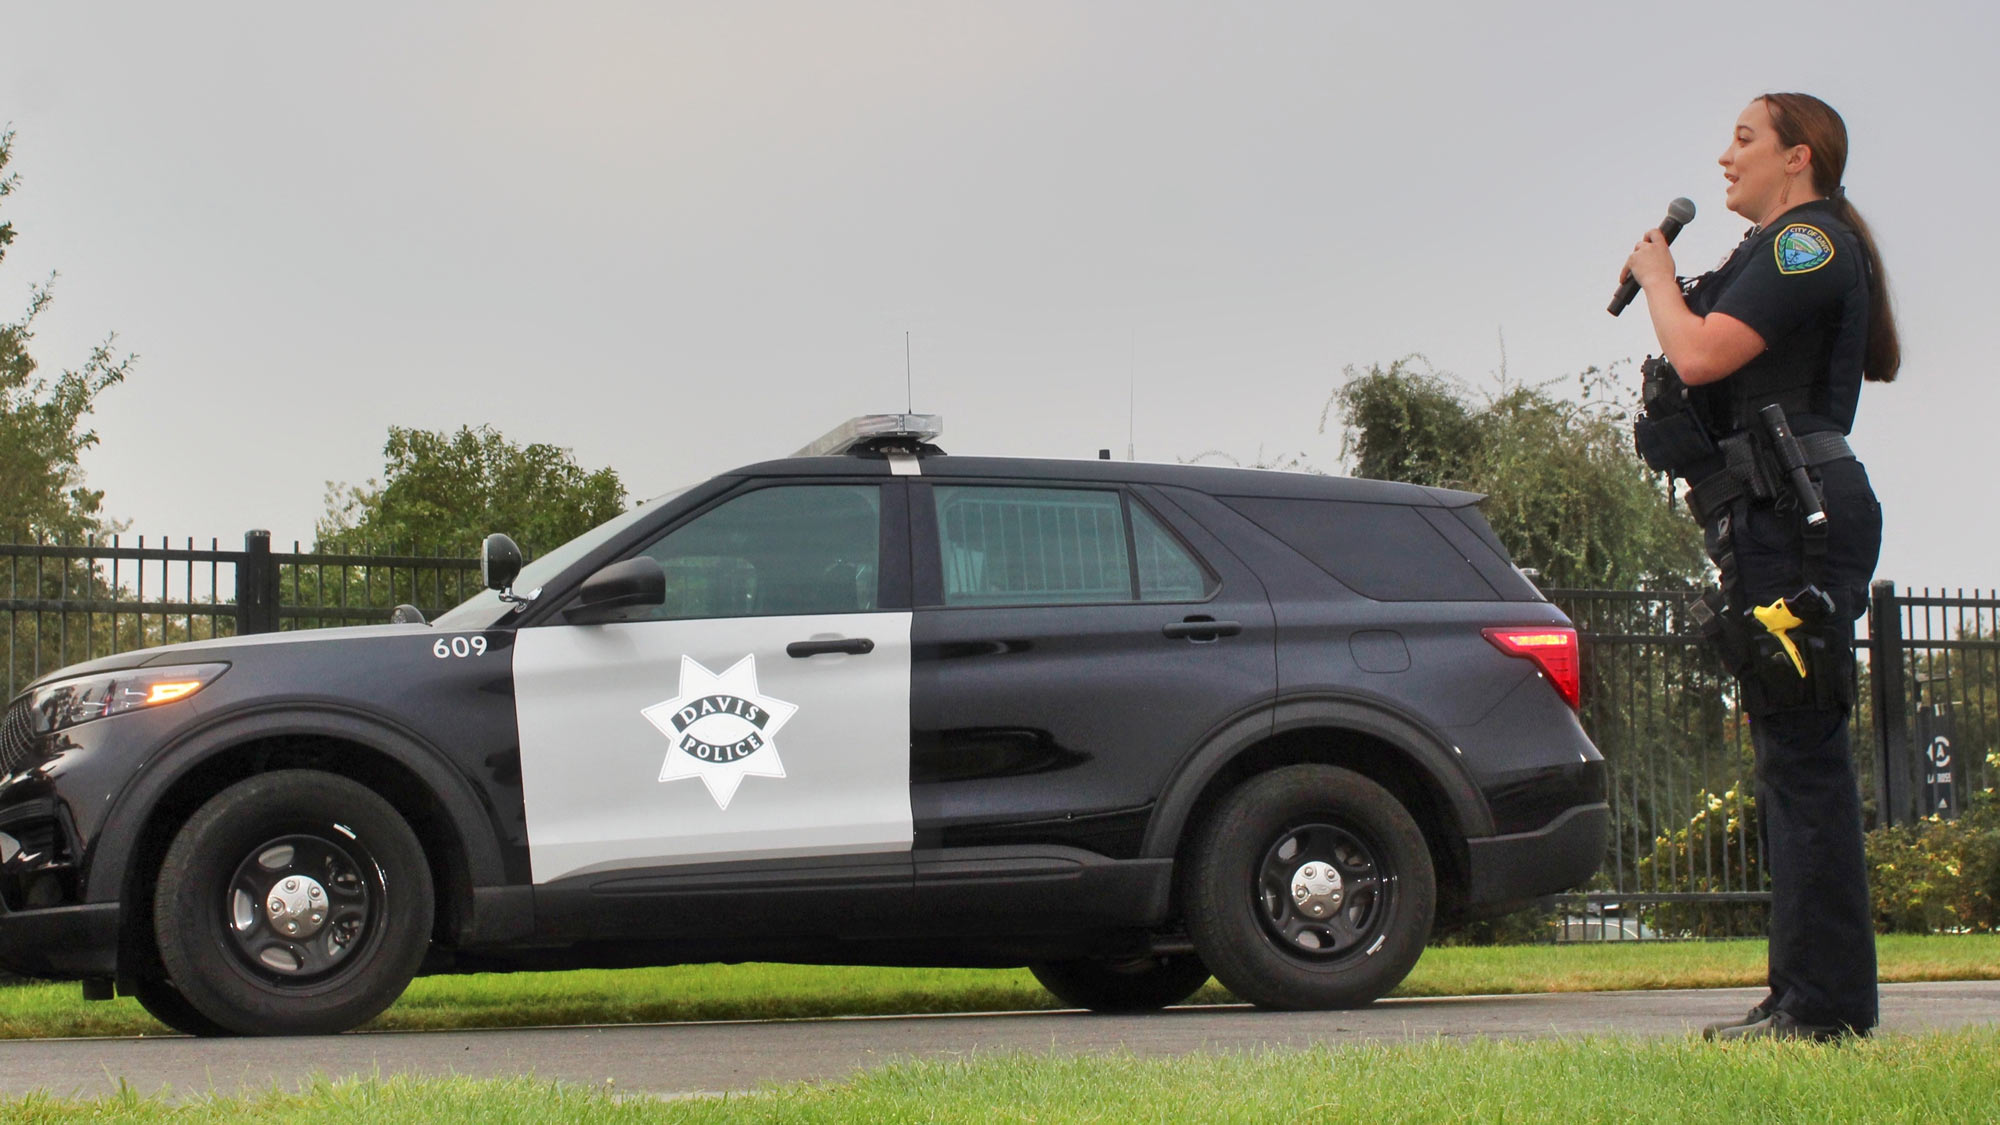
(1316, 889)
(296, 906)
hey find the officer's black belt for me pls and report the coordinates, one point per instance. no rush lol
(1825, 447)
(1713, 494)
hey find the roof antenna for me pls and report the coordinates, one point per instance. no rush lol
(909, 386)
(1131, 394)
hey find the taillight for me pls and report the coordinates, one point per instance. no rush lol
(1552, 650)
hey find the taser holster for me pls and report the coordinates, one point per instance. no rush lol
(1786, 654)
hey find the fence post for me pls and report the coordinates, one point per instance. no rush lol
(256, 586)
(1894, 794)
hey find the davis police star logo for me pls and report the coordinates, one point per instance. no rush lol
(721, 728)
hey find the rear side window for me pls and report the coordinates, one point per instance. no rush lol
(1032, 546)
(1058, 546)
(1167, 573)
(1388, 552)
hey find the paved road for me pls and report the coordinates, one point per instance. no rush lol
(713, 1057)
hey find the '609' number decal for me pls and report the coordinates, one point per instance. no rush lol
(444, 649)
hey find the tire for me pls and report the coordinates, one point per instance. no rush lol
(164, 1003)
(311, 850)
(1294, 840)
(1133, 984)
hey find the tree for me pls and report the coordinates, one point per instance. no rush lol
(42, 437)
(42, 491)
(445, 492)
(1564, 490)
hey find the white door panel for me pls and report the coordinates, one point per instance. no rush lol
(669, 742)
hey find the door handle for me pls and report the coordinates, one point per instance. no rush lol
(856, 646)
(1201, 629)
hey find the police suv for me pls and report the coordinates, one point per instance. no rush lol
(1128, 724)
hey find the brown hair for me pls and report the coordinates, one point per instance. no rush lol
(1802, 119)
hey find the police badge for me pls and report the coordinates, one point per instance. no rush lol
(721, 727)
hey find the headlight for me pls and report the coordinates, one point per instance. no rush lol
(69, 702)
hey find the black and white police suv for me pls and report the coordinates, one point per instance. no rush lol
(1128, 724)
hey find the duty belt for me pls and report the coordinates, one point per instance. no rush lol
(1713, 494)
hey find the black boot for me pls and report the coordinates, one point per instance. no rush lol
(1758, 1014)
(1783, 1025)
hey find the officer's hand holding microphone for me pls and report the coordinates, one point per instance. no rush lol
(1651, 261)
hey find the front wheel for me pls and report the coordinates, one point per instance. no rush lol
(1310, 887)
(294, 903)
(1129, 984)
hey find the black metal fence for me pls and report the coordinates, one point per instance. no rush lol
(1683, 854)
(1683, 858)
(68, 603)
(1936, 699)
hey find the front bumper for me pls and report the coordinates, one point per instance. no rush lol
(64, 942)
(56, 795)
(1562, 854)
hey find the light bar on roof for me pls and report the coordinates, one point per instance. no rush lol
(917, 429)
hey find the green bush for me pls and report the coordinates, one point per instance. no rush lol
(1938, 875)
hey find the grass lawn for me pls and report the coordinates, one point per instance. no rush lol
(1934, 1077)
(707, 992)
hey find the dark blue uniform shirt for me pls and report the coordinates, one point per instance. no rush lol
(1801, 284)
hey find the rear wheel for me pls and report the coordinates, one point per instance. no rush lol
(293, 903)
(1131, 984)
(1310, 887)
(165, 1003)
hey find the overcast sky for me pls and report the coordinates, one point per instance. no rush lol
(677, 238)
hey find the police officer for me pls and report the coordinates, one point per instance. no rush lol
(1797, 317)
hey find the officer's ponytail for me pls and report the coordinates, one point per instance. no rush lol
(1802, 119)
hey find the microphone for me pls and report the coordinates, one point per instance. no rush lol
(1679, 213)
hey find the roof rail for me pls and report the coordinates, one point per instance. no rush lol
(878, 433)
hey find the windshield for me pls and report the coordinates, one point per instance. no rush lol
(485, 607)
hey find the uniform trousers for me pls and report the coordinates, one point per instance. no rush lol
(1822, 953)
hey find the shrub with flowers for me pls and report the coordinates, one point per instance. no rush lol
(1939, 875)
(1717, 850)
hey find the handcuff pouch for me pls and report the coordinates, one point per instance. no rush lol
(1752, 464)
(1672, 443)
(1669, 436)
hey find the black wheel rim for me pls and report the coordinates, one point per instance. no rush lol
(1323, 892)
(301, 907)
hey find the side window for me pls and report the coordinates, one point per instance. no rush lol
(1032, 546)
(1388, 552)
(1167, 573)
(793, 549)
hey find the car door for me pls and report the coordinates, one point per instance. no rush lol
(1073, 644)
(758, 719)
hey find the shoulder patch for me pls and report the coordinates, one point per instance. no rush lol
(1802, 248)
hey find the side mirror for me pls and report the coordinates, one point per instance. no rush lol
(499, 562)
(606, 595)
